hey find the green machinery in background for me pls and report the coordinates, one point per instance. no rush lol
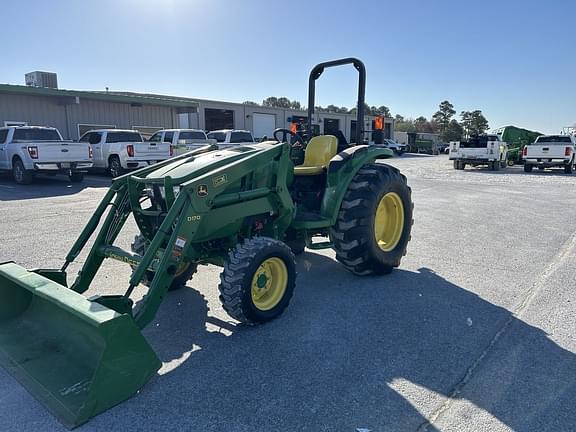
(516, 138)
(246, 209)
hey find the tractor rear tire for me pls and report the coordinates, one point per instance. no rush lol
(182, 276)
(258, 280)
(298, 246)
(375, 220)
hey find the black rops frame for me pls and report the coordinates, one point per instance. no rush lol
(315, 74)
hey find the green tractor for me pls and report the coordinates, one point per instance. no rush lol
(247, 209)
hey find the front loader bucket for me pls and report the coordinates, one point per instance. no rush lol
(77, 357)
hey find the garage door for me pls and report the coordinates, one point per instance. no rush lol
(264, 125)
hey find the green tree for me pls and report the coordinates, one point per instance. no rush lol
(473, 122)
(250, 103)
(399, 118)
(406, 125)
(284, 102)
(466, 121)
(281, 102)
(295, 105)
(479, 124)
(382, 110)
(271, 101)
(444, 115)
(367, 109)
(453, 131)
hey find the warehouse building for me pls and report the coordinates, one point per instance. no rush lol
(74, 112)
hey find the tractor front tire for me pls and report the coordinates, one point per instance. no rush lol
(258, 280)
(375, 220)
(182, 276)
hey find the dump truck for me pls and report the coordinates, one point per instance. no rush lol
(239, 208)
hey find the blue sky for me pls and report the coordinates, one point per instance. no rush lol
(514, 60)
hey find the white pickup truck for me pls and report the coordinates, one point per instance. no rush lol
(118, 150)
(231, 137)
(550, 151)
(182, 140)
(479, 150)
(30, 150)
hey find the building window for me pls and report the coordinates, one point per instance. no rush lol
(215, 119)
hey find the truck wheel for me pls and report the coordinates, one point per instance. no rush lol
(568, 168)
(258, 280)
(527, 167)
(115, 167)
(374, 223)
(182, 276)
(76, 177)
(456, 165)
(21, 175)
(496, 165)
(503, 164)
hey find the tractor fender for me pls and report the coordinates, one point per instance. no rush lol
(342, 169)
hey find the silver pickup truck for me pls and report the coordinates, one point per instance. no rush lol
(26, 151)
(182, 140)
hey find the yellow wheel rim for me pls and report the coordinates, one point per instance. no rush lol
(389, 221)
(269, 283)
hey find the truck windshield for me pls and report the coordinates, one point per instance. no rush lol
(555, 139)
(192, 135)
(218, 136)
(114, 137)
(33, 134)
(240, 137)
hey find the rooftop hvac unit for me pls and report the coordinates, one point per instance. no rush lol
(42, 79)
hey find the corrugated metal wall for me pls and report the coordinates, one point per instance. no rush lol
(49, 111)
(39, 111)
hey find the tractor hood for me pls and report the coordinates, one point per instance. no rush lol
(184, 169)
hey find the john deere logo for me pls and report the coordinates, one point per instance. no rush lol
(202, 190)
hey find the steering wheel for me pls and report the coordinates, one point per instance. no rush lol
(285, 132)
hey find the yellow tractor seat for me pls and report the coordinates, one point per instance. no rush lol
(318, 153)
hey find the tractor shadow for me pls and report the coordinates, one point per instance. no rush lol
(46, 187)
(349, 353)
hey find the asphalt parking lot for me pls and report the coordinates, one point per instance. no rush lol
(474, 332)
